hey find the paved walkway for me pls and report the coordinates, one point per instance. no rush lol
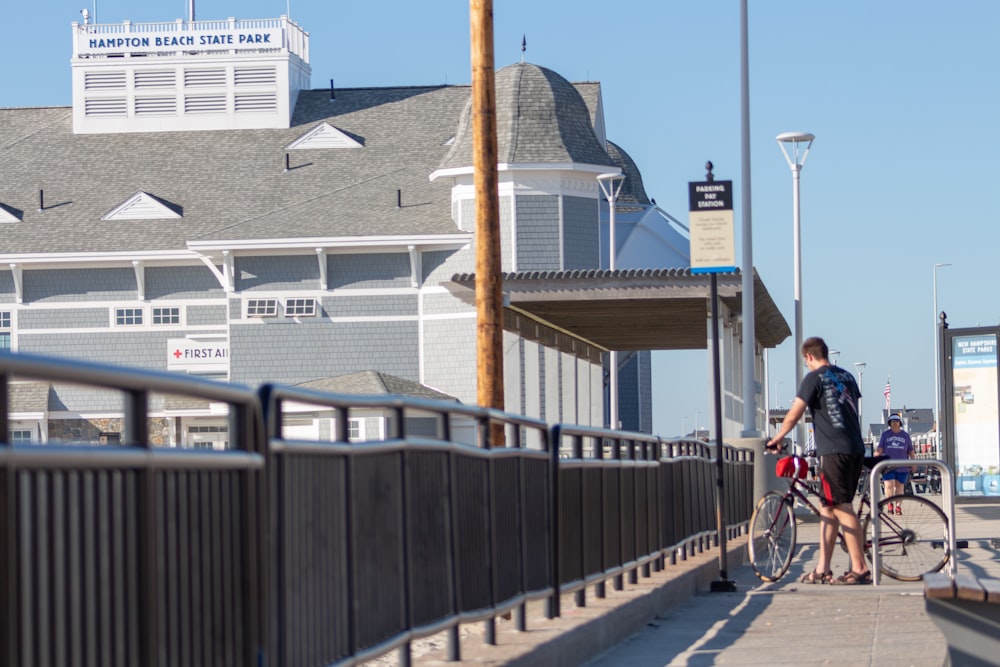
(671, 618)
(788, 623)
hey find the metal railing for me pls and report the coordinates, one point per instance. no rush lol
(328, 550)
(131, 554)
(947, 497)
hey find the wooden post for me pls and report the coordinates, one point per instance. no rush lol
(489, 293)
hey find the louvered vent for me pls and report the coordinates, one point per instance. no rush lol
(254, 76)
(104, 106)
(200, 78)
(104, 81)
(155, 79)
(205, 104)
(155, 106)
(248, 103)
(141, 206)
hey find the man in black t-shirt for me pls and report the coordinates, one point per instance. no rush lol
(832, 396)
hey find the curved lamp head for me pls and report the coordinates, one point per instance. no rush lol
(611, 184)
(795, 139)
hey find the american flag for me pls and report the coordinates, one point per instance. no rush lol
(887, 393)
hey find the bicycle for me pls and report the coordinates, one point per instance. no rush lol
(911, 544)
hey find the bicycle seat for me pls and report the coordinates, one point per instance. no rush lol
(870, 461)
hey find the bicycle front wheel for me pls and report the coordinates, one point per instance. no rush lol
(772, 536)
(914, 541)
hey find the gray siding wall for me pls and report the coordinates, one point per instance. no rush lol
(581, 241)
(368, 270)
(181, 282)
(108, 284)
(275, 273)
(468, 213)
(538, 233)
(370, 306)
(468, 207)
(70, 398)
(441, 265)
(290, 353)
(200, 315)
(7, 294)
(144, 349)
(533, 380)
(513, 373)
(63, 318)
(450, 357)
(444, 304)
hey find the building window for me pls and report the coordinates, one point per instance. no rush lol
(262, 307)
(20, 437)
(166, 315)
(4, 329)
(127, 317)
(354, 431)
(208, 436)
(300, 307)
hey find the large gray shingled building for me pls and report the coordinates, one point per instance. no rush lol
(206, 212)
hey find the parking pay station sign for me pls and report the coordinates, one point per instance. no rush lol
(713, 242)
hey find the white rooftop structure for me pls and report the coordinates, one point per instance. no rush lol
(187, 75)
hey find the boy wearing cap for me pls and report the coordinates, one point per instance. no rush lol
(896, 444)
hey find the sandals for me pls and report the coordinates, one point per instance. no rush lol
(854, 579)
(815, 577)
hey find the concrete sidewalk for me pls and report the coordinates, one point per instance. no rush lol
(788, 623)
(671, 618)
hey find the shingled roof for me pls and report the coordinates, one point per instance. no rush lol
(374, 383)
(232, 184)
(541, 118)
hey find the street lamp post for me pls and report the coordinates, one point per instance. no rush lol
(860, 365)
(937, 371)
(795, 163)
(834, 354)
(611, 186)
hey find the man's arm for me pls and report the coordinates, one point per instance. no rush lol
(792, 417)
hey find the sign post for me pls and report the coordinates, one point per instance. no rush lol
(713, 251)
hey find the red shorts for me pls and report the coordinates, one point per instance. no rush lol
(838, 477)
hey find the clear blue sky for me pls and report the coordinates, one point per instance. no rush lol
(902, 98)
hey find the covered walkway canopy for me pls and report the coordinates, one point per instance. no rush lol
(631, 309)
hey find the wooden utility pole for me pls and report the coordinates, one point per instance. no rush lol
(489, 292)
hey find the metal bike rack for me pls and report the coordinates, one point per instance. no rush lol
(948, 506)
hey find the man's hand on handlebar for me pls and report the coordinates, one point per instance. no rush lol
(775, 446)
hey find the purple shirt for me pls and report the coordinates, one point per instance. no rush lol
(896, 445)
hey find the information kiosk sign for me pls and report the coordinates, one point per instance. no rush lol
(713, 244)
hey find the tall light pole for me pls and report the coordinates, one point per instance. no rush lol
(834, 354)
(747, 297)
(611, 186)
(795, 163)
(937, 370)
(860, 365)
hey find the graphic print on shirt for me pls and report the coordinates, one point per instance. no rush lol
(835, 397)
